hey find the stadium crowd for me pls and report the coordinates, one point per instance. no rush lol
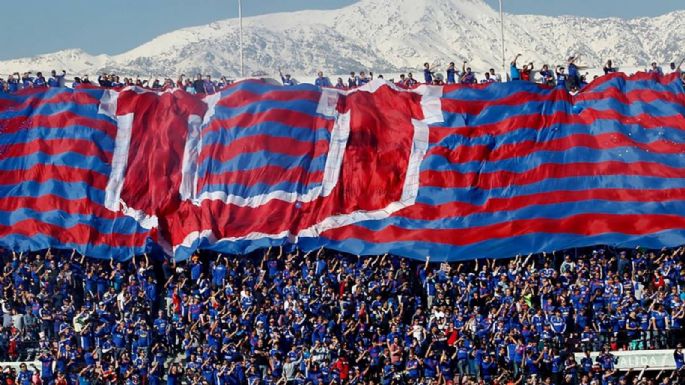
(323, 317)
(315, 318)
(569, 77)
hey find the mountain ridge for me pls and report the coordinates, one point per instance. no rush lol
(370, 35)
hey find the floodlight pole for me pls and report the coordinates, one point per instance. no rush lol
(501, 22)
(240, 19)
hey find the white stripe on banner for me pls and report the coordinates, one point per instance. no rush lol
(191, 152)
(119, 161)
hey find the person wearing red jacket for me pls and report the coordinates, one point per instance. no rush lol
(342, 367)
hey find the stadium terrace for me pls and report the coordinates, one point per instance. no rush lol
(215, 236)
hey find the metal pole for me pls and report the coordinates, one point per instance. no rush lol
(501, 22)
(240, 19)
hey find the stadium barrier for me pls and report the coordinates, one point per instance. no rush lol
(638, 359)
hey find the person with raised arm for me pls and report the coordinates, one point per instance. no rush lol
(514, 72)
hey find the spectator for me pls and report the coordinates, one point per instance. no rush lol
(340, 84)
(609, 68)
(526, 71)
(322, 81)
(209, 86)
(362, 79)
(352, 81)
(561, 77)
(427, 74)
(546, 75)
(451, 74)
(286, 80)
(467, 76)
(515, 74)
(27, 80)
(410, 81)
(495, 76)
(488, 78)
(104, 81)
(655, 69)
(573, 77)
(39, 81)
(56, 80)
(199, 84)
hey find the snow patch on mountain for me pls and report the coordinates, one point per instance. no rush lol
(382, 37)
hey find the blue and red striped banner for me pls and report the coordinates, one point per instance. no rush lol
(455, 172)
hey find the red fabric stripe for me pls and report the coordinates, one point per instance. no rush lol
(483, 153)
(80, 234)
(475, 107)
(244, 97)
(665, 80)
(268, 175)
(53, 202)
(583, 224)
(282, 116)
(546, 171)
(57, 121)
(642, 95)
(538, 122)
(456, 209)
(42, 173)
(75, 97)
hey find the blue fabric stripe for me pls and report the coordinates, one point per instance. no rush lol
(303, 106)
(253, 160)
(476, 196)
(550, 211)
(567, 157)
(37, 242)
(495, 248)
(494, 91)
(123, 225)
(277, 130)
(49, 93)
(66, 190)
(89, 111)
(498, 113)
(260, 88)
(636, 133)
(70, 159)
(635, 85)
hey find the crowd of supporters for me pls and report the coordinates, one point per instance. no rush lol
(322, 317)
(198, 85)
(569, 77)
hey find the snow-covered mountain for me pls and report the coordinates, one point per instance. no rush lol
(381, 36)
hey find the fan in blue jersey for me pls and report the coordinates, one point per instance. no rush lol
(546, 75)
(655, 69)
(287, 81)
(561, 77)
(56, 80)
(451, 74)
(514, 72)
(322, 81)
(467, 76)
(427, 73)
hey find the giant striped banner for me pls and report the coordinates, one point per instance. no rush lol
(455, 172)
